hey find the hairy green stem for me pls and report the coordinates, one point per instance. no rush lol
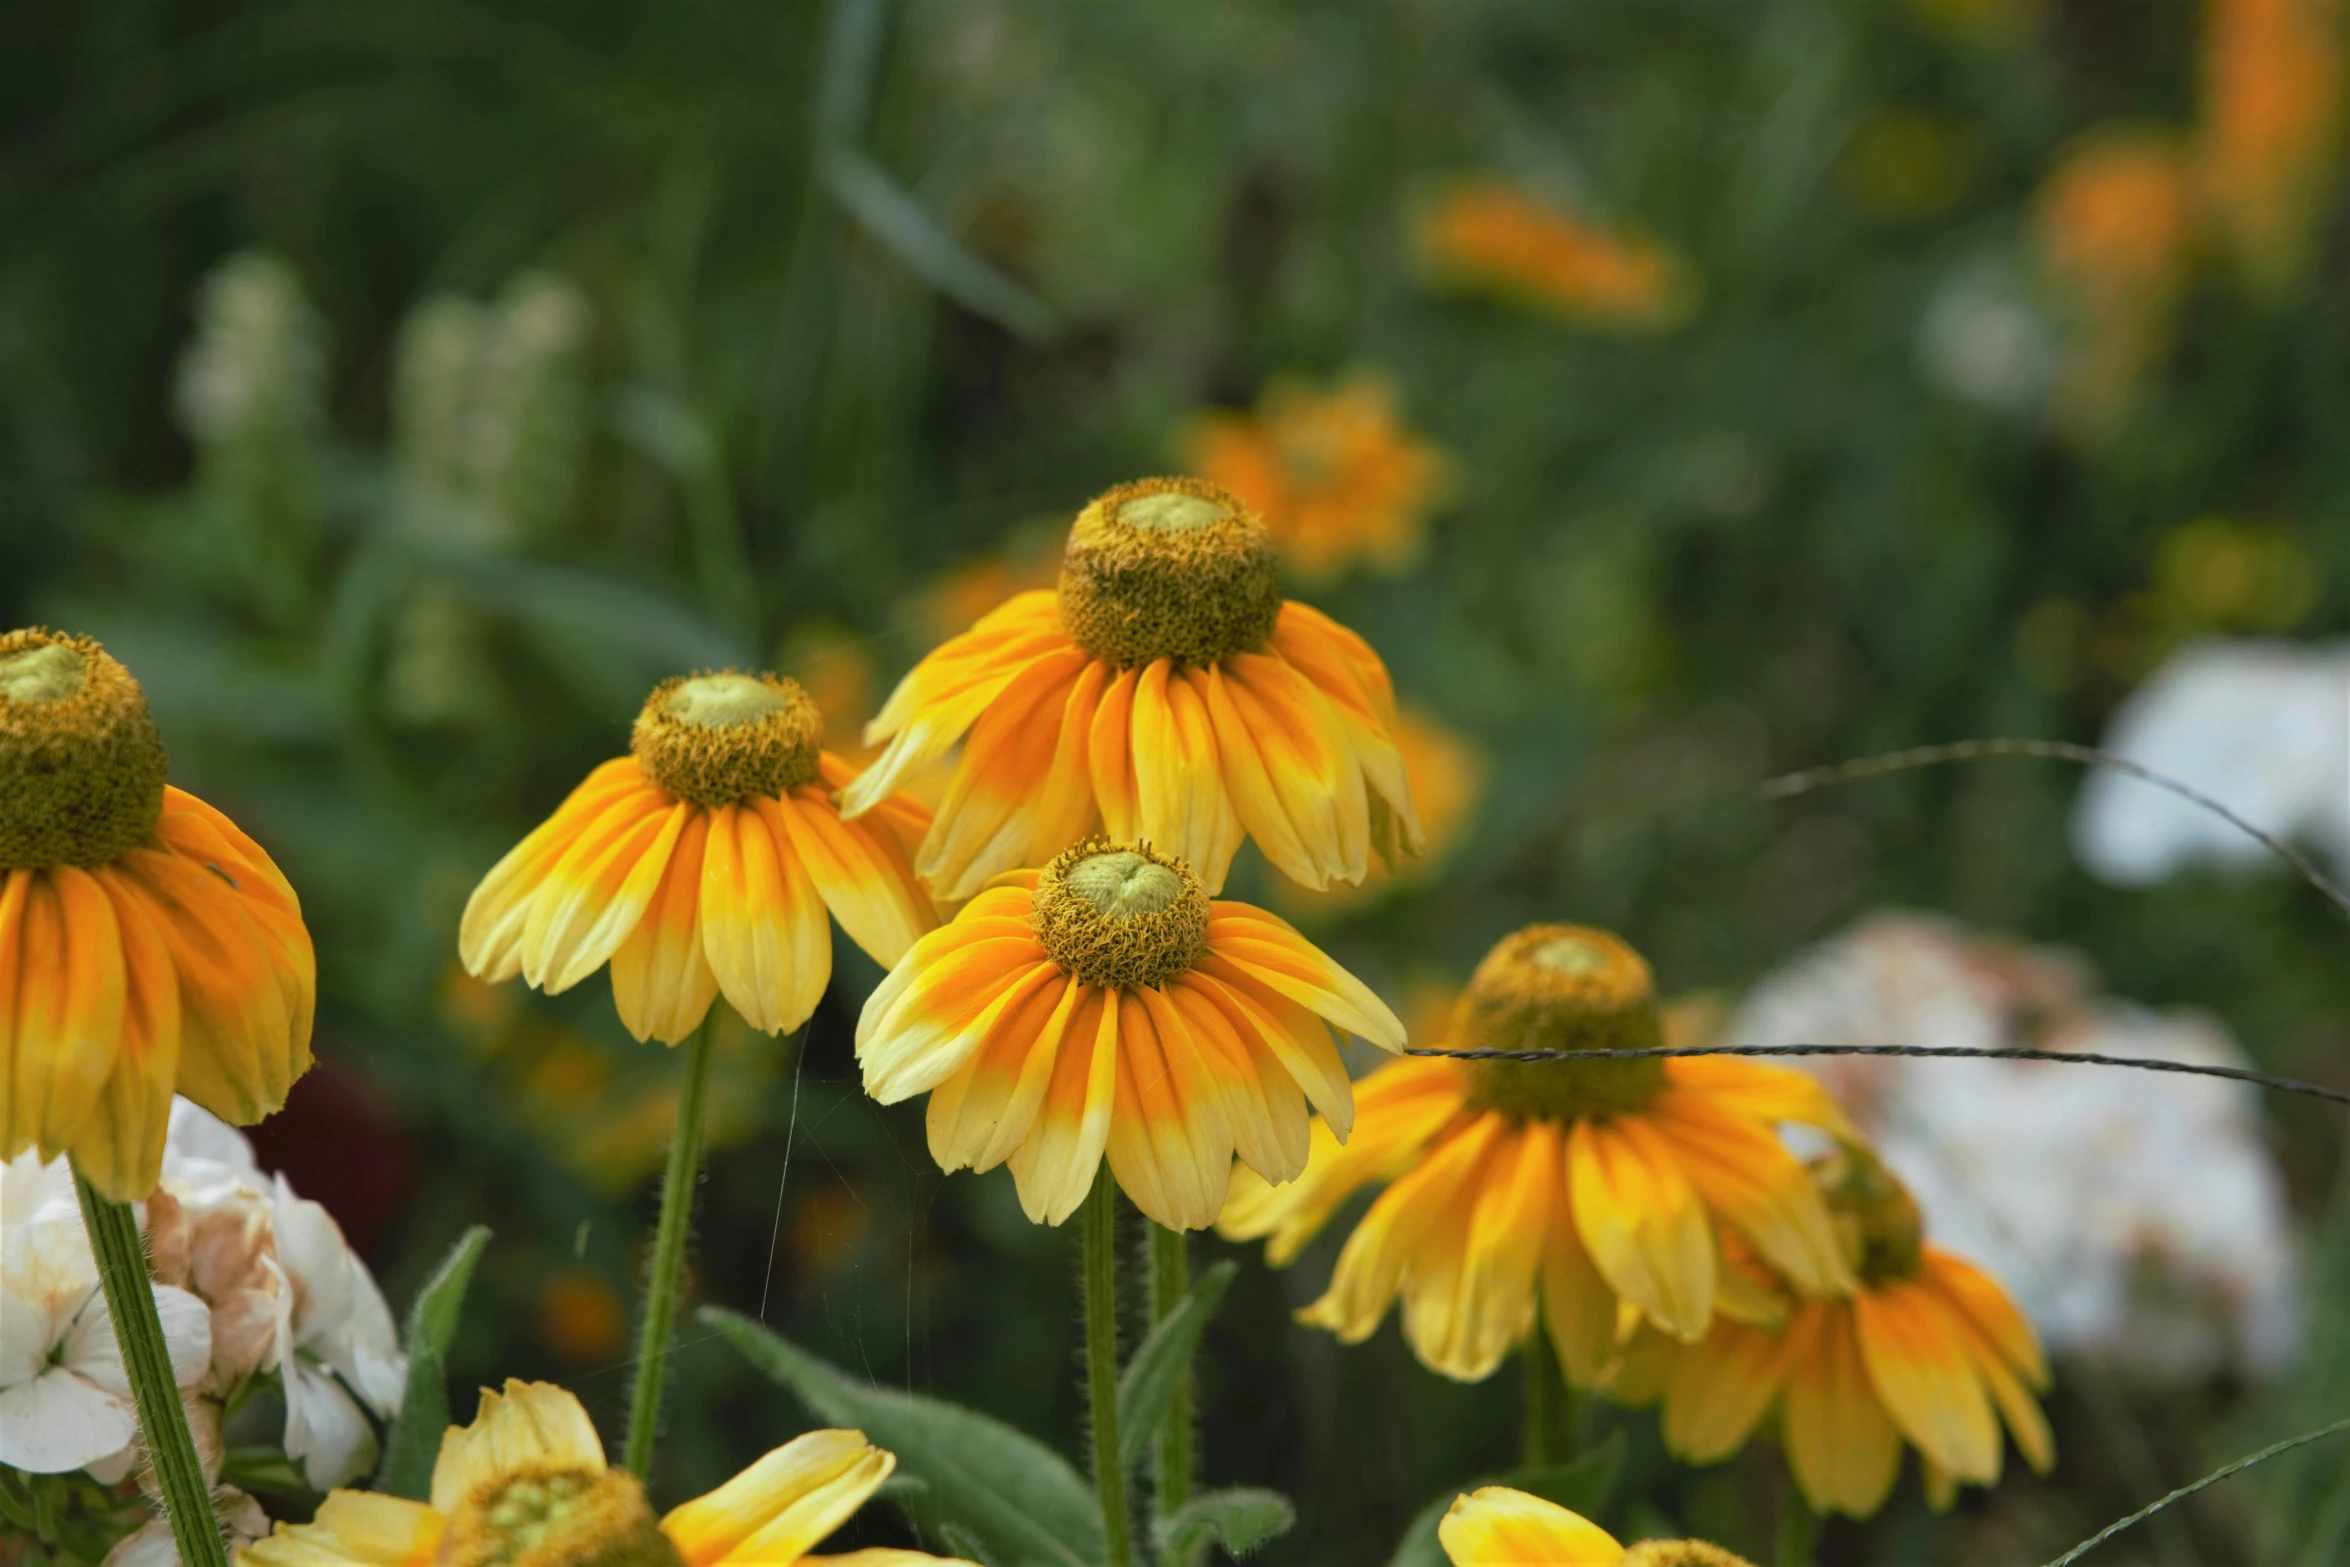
(1170, 1273)
(146, 1361)
(1099, 1287)
(658, 1321)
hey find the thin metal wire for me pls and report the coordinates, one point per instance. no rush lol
(1788, 785)
(2288, 1085)
(2213, 1478)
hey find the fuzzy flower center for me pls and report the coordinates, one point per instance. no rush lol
(1878, 1226)
(1561, 987)
(1680, 1553)
(1168, 568)
(81, 766)
(1120, 915)
(557, 1518)
(720, 739)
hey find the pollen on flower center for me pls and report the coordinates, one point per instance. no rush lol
(81, 766)
(1561, 987)
(719, 739)
(1680, 1553)
(1168, 568)
(1878, 1225)
(557, 1518)
(1120, 915)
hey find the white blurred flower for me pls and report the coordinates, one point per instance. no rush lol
(65, 1403)
(257, 367)
(2136, 1216)
(2262, 727)
(285, 1292)
(1983, 338)
(241, 1519)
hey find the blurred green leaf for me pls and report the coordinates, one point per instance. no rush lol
(1150, 1379)
(1240, 1520)
(1012, 1491)
(415, 1441)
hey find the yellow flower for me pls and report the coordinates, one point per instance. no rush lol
(703, 863)
(526, 1485)
(1446, 772)
(1166, 693)
(2270, 138)
(147, 947)
(1498, 1527)
(1566, 1186)
(1106, 1004)
(2115, 226)
(1336, 475)
(1484, 234)
(1926, 1348)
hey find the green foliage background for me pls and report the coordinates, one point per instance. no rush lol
(784, 309)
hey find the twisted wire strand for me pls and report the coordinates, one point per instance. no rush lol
(1788, 785)
(2288, 1085)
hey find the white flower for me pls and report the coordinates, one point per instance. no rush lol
(2136, 1216)
(241, 1519)
(286, 1295)
(65, 1403)
(2262, 727)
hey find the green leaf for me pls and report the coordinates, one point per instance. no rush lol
(1581, 1487)
(885, 211)
(1239, 1520)
(1014, 1495)
(1149, 1381)
(263, 1469)
(415, 1441)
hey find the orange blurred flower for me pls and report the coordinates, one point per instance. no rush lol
(582, 1317)
(1027, 558)
(1335, 474)
(2270, 138)
(1485, 235)
(2115, 226)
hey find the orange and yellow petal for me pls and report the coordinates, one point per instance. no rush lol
(1054, 1168)
(1841, 1443)
(1271, 951)
(1641, 1219)
(120, 1147)
(985, 1109)
(935, 1010)
(594, 894)
(529, 1426)
(945, 694)
(989, 821)
(1408, 1231)
(1315, 806)
(783, 1504)
(1285, 1034)
(765, 930)
(1761, 1092)
(662, 984)
(1752, 1183)
(1464, 1315)
(1180, 803)
(353, 1529)
(1984, 1304)
(1579, 1306)
(497, 915)
(1109, 757)
(861, 874)
(2017, 1407)
(1398, 1110)
(1341, 666)
(61, 1004)
(1169, 1143)
(1718, 1389)
(1495, 1526)
(1919, 1364)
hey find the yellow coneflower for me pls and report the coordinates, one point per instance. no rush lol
(1165, 693)
(2115, 224)
(1107, 1005)
(1484, 234)
(1926, 1348)
(1337, 475)
(1447, 771)
(2270, 139)
(1579, 1182)
(147, 947)
(526, 1485)
(703, 863)
(1498, 1527)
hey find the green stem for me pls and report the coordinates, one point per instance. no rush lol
(1099, 1277)
(659, 1319)
(146, 1360)
(1539, 1381)
(1170, 1259)
(1799, 1526)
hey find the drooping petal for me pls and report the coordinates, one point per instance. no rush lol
(963, 979)
(1270, 950)
(1578, 1304)
(1308, 763)
(195, 831)
(1325, 653)
(1168, 1144)
(1247, 784)
(1462, 1325)
(61, 1005)
(661, 982)
(353, 1529)
(1985, 1304)
(1408, 1229)
(1109, 759)
(1495, 1526)
(1297, 1040)
(2016, 1405)
(988, 823)
(489, 937)
(597, 892)
(1264, 1109)
(1719, 1389)
(1054, 1169)
(1752, 1183)
(530, 1426)
(1180, 802)
(945, 694)
(1642, 1221)
(977, 1116)
(904, 819)
(764, 929)
(1841, 1444)
(1762, 1091)
(783, 1504)
(1920, 1369)
(861, 876)
(120, 1147)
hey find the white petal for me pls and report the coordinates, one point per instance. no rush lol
(92, 1351)
(59, 1422)
(198, 1137)
(324, 1428)
(311, 1250)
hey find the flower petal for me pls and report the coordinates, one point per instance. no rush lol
(489, 937)
(1578, 1303)
(1269, 950)
(1168, 1144)
(59, 1422)
(1413, 1229)
(1181, 805)
(1297, 1040)
(61, 1005)
(662, 985)
(1309, 763)
(863, 879)
(1642, 1222)
(764, 929)
(1054, 1169)
(930, 1029)
(1495, 1526)
(120, 1147)
(1921, 1370)
(1841, 1444)
(945, 694)
(977, 1116)
(597, 892)
(529, 1426)
(1464, 1319)
(353, 1529)
(988, 823)
(1718, 1390)
(1109, 759)
(1752, 1183)
(783, 1504)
